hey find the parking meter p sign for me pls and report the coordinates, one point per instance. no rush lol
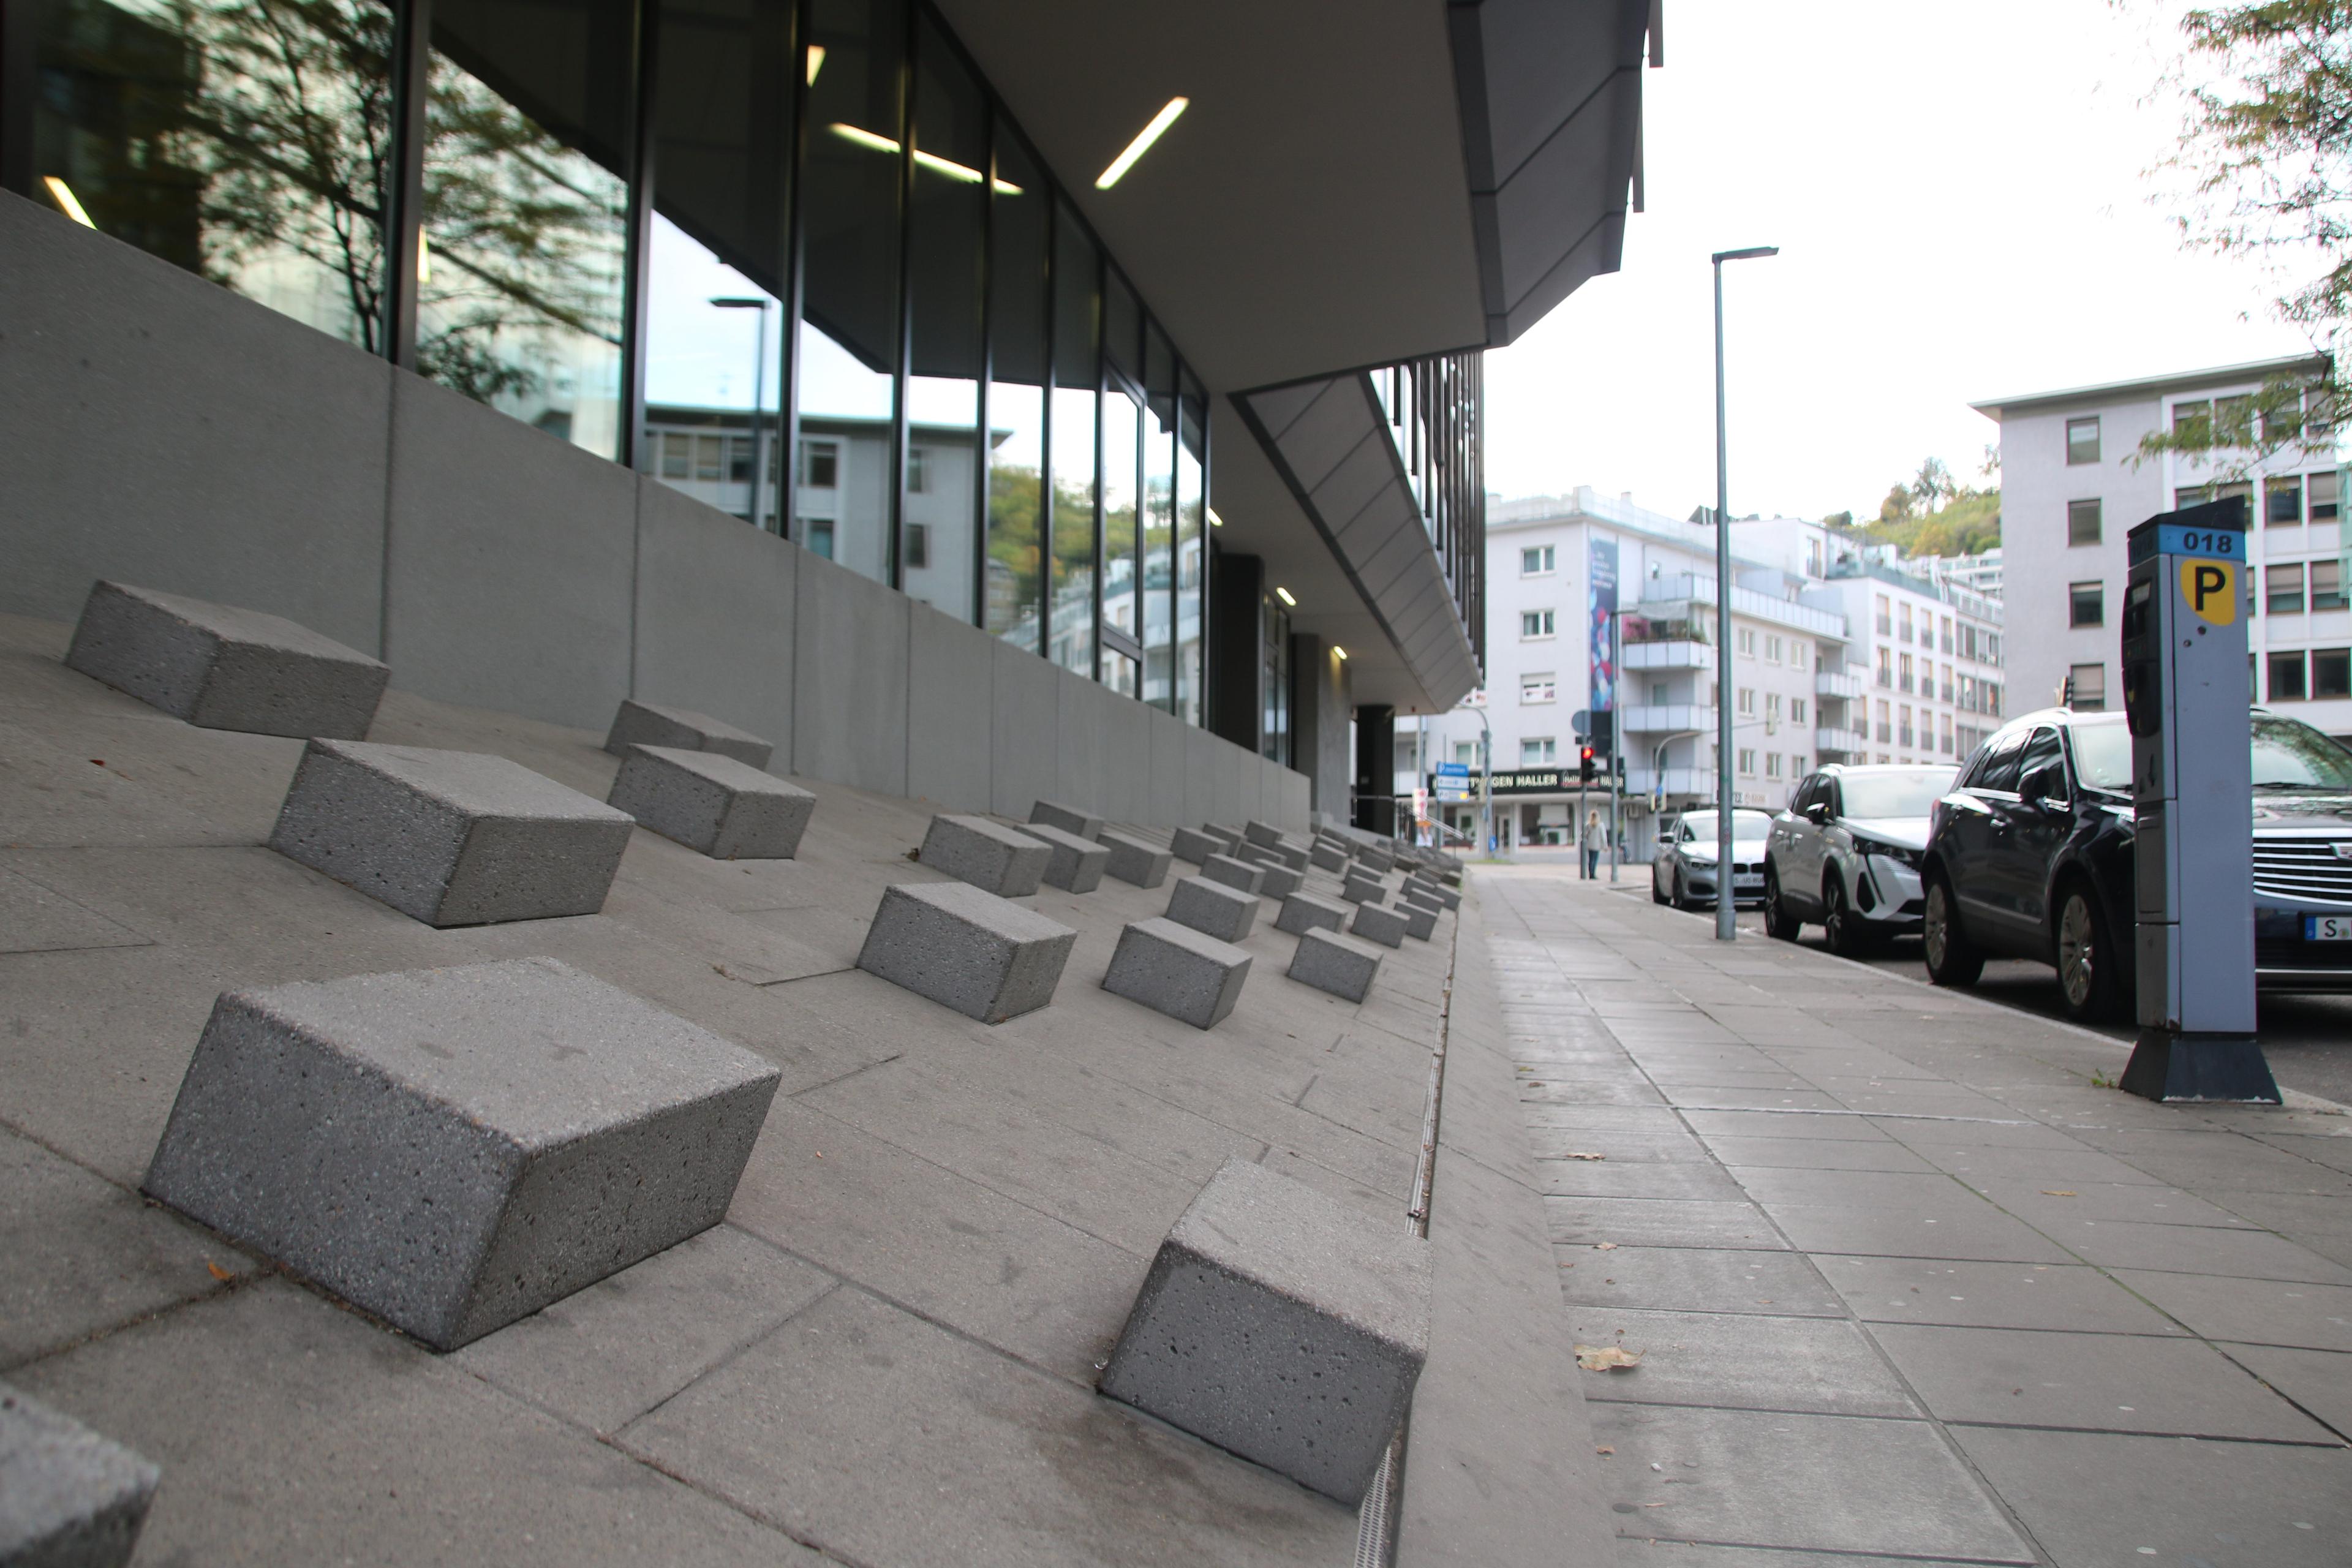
(2210, 588)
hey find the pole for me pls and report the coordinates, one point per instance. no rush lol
(1727, 914)
(1616, 744)
(759, 409)
(1486, 784)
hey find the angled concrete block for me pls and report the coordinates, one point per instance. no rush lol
(1069, 818)
(1420, 921)
(1233, 873)
(1257, 855)
(1190, 843)
(1375, 859)
(1362, 887)
(1420, 893)
(69, 1498)
(712, 802)
(1223, 912)
(1263, 834)
(1133, 860)
(225, 668)
(989, 855)
(1379, 923)
(1280, 882)
(651, 724)
(1230, 838)
(1292, 856)
(1303, 912)
(450, 838)
(967, 949)
(454, 1149)
(1075, 862)
(1328, 857)
(1174, 969)
(1282, 1325)
(1329, 961)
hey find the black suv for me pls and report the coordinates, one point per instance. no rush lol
(2031, 856)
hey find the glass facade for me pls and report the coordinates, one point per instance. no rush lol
(789, 256)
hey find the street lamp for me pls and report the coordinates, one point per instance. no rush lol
(1726, 916)
(758, 393)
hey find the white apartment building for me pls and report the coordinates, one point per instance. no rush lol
(2072, 484)
(1925, 648)
(1562, 573)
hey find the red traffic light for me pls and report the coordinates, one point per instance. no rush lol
(1585, 755)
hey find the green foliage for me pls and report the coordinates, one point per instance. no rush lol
(1933, 515)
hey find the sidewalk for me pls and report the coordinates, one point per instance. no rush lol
(1908, 1283)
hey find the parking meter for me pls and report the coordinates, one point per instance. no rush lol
(2185, 695)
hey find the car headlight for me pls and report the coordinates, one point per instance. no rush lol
(1901, 855)
(1699, 856)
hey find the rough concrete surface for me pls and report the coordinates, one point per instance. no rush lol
(1303, 912)
(1329, 961)
(1133, 860)
(1233, 873)
(1077, 862)
(1195, 846)
(965, 948)
(1069, 818)
(1212, 908)
(69, 1498)
(988, 855)
(1378, 922)
(1174, 969)
(636, 724)
(713, 802)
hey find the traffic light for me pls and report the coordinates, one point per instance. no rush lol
(1584, 764)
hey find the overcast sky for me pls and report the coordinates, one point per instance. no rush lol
(1961, 193)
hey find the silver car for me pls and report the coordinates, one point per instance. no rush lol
(1683, 874)
(1847, 854)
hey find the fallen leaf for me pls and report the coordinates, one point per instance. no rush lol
(1606, 1358)
(1604, 1448)
(2059, 1192)
(1604, 1247)
(218, 1271)
(1653, 1505)
(1580, 1154)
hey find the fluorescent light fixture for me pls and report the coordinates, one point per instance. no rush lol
(1284, 594)
(816, 62)
(1337, 649)
(1214, 520)
(1142, 143)
(932, 160)
(67, 203)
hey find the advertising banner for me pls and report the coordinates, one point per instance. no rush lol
(1600, 606)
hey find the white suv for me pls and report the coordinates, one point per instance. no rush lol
(1846, 853)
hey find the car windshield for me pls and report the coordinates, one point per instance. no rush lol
(2103, 754)
(1906, 792)
(1745, 824)
(2291, 754)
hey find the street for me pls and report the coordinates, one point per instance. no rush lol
(2308, 1039)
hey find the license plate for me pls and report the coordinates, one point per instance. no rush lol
(2327, 928)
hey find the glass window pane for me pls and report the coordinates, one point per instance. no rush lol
(1077, 379)
(715, 259)
(1158, 570)
(1122, 444)
(1020, 236)
(950, 217)
(846, 369)
(1122, 326)
(1191, 565)
(241, 140)
(528, 112)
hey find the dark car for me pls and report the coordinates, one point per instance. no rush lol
(2029, 855)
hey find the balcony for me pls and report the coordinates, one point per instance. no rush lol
(1675, 598)
(1845, 683)
(1669, 656)
(1646, 780)
(1847, 741)
(1669, 719)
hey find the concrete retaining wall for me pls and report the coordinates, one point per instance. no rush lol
(167, 433)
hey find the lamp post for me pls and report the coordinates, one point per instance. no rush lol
(758, 393)
(1726, 914)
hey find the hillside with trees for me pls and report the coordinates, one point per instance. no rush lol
(1935, 515)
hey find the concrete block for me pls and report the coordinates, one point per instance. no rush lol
(1133, 860)
(1329, 961)
(1378, 922)
(1257, 855)
(1303, 912)
(1263, 834)
(1233, 873)
(639, 723)
(1280, 882)
(1223, 912)
(1230, 838)
(1075, 862)
(1174, 969)
(967, 949)
(1292, 856)
(989, 855)
(1420, 893)
(1420, 921)
(222, 667)
(1190, 843)
(454, 1149)
(1069, 818)
(69, 1498)
(710, 801)
(1328, 857)
(450, 838)
(1282, 1325)
(1374, 860)
(1362, 887)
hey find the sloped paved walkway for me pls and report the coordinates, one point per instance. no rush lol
(1909, 1284)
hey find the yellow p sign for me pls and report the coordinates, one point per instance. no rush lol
(2212, 589)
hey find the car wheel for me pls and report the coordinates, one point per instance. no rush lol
(1657, 889)
(1779, 922)
(2088, 971)
(1680, 894)
(1952, 958)
(1849, 938)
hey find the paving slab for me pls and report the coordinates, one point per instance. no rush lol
(2072, 1298)
(2320, 1382)
(2259, 1311)
(1753, 1360)
(1660, 1222)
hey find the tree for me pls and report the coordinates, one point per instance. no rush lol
(1934, 515)
(2266, 144)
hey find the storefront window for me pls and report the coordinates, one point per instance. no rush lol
(1019, 240)
(1077, 379)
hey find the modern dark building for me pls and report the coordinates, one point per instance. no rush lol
(829, 365)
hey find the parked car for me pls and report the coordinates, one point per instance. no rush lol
(1846, 853)
(1682, 871)
(2031, 855)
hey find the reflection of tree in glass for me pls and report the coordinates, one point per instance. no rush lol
(1013, 532)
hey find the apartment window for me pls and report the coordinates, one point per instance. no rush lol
(1885, 725)
(2233, 419)
(2328, 586)
(1945, 694)
(1537, 688)
(2086, 604)
(1746, 642)
(1537, 750)
(1796, 710)
(1904, 726)
(917, 544)
(1796, 656)
(2286, 676)
(2083, 440)
(1885, 618)
(1535, 561)
(1536, 623)
(1947, 635)
(2282, 502)
(918, 472)
(1748, 761)
(2188, 417)
(2083, 523)
(1465, 752)
(820, 465)
(2283, 589)
(2192, 495)
(1946, 727)
(2331, 672)
(1748, 700)
(1905, 633)
(1907, 676)
(1772, 647)
(1797, 764)
(2322, 488)
(1657, 694)
(2086, 687)
(1771, 764)
(1773, 709)
(1885, 668)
